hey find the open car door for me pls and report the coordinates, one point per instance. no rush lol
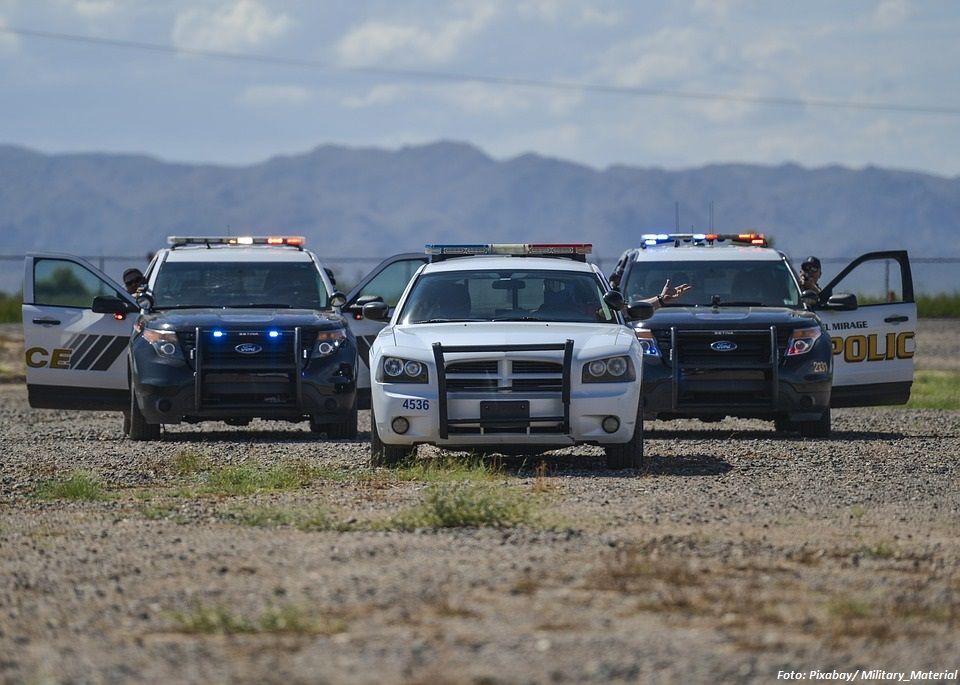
(385, 283)
(76, 358)
(873, 344)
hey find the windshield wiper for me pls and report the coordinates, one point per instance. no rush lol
(446, 320)
(523, 318)
(257, 305)
(739, 303)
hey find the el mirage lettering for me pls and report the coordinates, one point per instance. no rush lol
(58, 358)
(873, 347)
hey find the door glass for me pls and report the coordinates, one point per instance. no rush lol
(61, 283)
(390, 283)
(878, 281)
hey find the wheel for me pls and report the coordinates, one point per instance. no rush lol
(782, 424)
(628, 455)
(819, 428)
(138, 428)
(341, 430)
(382, 454)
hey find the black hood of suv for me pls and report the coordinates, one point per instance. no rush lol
(730, 317)
(178, 319)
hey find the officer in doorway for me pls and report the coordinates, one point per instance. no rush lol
(810, 274)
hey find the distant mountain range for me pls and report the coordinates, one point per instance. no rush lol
(372, 202)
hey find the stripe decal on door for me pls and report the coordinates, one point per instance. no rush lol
(110, 355)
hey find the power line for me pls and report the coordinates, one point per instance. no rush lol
(459, 77)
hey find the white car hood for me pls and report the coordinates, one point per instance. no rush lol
(590, 340)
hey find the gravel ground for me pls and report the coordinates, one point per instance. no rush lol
(737, 555)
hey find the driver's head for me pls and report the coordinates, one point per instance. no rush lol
(132, 279)
(552, 285)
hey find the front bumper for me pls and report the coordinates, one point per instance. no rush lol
(171, 390)
(419, 405)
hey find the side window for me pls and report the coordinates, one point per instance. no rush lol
(390, 283)
(877, 281)
(60, 283)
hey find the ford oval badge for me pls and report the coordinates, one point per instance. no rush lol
(723, 346)
(248, 348)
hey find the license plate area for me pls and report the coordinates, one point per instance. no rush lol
(511, 409)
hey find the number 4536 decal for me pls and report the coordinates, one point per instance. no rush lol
(416, 404)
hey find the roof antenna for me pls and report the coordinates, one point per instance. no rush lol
(711, 216)
(676, 214)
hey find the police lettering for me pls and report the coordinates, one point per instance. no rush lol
(845, 325)
(58, 358)
(873, 347)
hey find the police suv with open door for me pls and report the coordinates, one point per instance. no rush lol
(744, 341)
(228, 328)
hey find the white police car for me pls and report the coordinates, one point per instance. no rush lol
(508, 348)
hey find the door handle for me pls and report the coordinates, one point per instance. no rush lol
(47, 322)
(897, 319)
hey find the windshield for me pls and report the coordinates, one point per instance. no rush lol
(507, 295)
(767, 284)
(296, 285)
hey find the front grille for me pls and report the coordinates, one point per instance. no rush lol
(470, 384)
(528, 366)
(524, 375)
(783, 337)
(693, 348)
(490, 366)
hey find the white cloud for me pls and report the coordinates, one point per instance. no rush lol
(892, 13)
(377, 41)
(568, 11)
(8, 41)
(93, 8)
(232, 26)
(274, 95)
(381, 94)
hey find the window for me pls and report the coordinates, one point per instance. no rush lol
(876, 281)
(391, 282)
(505, 295)
(60, 283)
(295, 285)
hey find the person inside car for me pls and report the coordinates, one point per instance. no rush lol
(810, 274)
(133, 280)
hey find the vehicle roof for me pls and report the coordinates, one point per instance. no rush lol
(233, 253)
(481, 262)
(707, 254)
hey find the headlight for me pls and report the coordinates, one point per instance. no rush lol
(609, 370)
(802, 341)
(164, 342)
(329, 342)
(396, 370)
(648, 342)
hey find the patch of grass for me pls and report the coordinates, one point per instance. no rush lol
(939, 305)
(76, 485)
(249, 478)
(10, 307)
(857, 512)
(461, 505)
(187, 462)
(157, 512)
(301, 519)
(448, 468)
(216, 619)
(630, 569)
(879, 550)
(935, 390)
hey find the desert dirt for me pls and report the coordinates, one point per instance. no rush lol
(738, 554)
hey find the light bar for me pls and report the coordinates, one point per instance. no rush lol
(178, 241)
(654, 239)
(514, 249)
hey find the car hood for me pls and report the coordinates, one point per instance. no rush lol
(730, 317)
(177, 319)
(589, 339)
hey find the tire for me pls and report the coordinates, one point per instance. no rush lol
(816, 429)
(382, 454)
(342, 430)
(628, 455)
(138, 427)
(782, 424)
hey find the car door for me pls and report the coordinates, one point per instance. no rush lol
(75, 358)
(386, 283)
(873, 345)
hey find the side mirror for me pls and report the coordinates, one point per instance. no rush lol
(376, 311)
(105, 304)
(145, 301)
(337, 299)
(614, 300)
(843, 302)
(366, 299)
(640, 311)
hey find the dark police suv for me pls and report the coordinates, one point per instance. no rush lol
(227, 329)
(744, 341)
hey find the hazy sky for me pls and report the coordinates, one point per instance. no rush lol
(68, 96)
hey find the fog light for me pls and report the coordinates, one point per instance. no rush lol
(400, 425)
(611, 424)
(163, 406)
